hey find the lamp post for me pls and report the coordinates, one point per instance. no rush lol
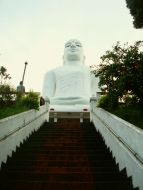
(24, 72)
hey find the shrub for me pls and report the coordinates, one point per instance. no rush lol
(108, 102)
(130, 100)
(103, 102)
(7, 95)
(31, 100)
(113, 101)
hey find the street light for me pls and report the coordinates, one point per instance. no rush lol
(24, 71)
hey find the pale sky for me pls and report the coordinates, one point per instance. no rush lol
(36, 31)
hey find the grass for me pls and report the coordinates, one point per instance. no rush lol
(11, 110)
(132, 114)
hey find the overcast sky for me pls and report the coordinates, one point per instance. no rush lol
(36, 31)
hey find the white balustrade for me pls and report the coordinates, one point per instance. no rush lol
(17, 128)
(124, 140)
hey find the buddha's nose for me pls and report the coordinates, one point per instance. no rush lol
(73, 45)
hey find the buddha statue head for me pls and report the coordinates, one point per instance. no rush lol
(73, 52)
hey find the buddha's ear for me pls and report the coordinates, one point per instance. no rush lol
(84, 59)
(63, 60)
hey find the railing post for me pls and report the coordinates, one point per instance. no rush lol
(81, 117)
(47, 103)
(93, 101)
(55, 117)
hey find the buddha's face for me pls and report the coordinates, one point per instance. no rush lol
(73, 51)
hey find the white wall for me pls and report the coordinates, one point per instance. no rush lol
(124, 140)
(15, 129)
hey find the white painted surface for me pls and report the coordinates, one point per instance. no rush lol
(72, 83)
(70, 108)
(12, 133)
(126, 132)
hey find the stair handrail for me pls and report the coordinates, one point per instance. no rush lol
(126, 145)
(124, 140)
(25, 124)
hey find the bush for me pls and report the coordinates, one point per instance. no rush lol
(31, 100)
(103, 102)
(130, 100)
(7, 95)
(108, 102)
(113, 101)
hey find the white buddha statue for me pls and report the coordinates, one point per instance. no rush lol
(69, 84)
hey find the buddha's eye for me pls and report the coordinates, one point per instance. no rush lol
(68, 45)
(78, 45)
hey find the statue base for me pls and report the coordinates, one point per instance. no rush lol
(57, 112)
(70, 108)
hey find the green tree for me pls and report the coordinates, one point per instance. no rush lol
(121, 72)
(4, 76)
(136, 10)
(7, 95)
(6, 91)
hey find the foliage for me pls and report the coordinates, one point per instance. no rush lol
(107, 102)
(31, 100)
(130, 100)
(7, 95)
(6, 91)
(136, 10)
(3, 75)
(121, 72)
(103, 102)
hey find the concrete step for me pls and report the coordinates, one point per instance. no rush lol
(55, 169)
(61, 176)
(64, 185)
(63, 155)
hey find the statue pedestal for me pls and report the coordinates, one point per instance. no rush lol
(69, 111)
(70, 108)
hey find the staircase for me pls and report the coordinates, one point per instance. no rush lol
(65, 155)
